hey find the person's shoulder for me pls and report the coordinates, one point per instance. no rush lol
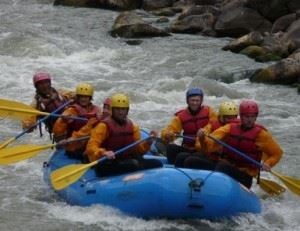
(67, 93)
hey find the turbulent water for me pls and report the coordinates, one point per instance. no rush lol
(73, 44)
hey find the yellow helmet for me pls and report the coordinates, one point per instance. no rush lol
(120, 100)
(84, 89)
(228, 108)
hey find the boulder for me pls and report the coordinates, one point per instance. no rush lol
(253, 38)
(282, 23)
(156, 4)
(293, 34)
(270, 9)
(240, 21)
(130, 25)
(193, 24)
(198, 10)
(286, 71)
(78, 3)
(293, 5)
(254, 52)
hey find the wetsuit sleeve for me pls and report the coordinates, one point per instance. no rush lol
(271, 149)
(60, 128)
(219, 134)
(199, 146)
(174, 126)
(93, 148)
(143, 147)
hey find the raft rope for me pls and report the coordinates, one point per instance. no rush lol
(195, 184)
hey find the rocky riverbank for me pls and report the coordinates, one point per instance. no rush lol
(263, 30)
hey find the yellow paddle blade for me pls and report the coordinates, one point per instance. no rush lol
(69, 174)
(271, 187)
(15, 104)
(3, 145)
(19, 113)
(292, 184)
(22, 152)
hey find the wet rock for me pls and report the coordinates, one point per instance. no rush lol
(193, 23)
(275, 46)
(77, 3)
(293, 34)
(109, 4)
(240, 21)
(202, 2)
(271, 9)
(162, 20)
(198, 10)
(254, 52)
(131, 25)
(168, 12)
(295, 55)
(293, 5)
(133, 42)
(253, 38)
(123, 4)
(156, 4)
(286, 71)
(282, 23)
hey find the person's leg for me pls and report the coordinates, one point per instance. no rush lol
(199, 162)
(106, 168)
(235, 173)
(181, 158)
(116, 167)
(172, 152)
(149, 163)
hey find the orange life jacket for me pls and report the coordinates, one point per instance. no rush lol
(119, 135)
(243, 141)
(192, 123)
(75, 125)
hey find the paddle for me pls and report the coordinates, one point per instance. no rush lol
(63, 177)
(268, 186)
(16, 110)
(36, 124)
(271, 187)
(22, 152)
(292, 184)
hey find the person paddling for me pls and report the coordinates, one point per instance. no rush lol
(76, 149)
(114, 133)
(248, 137)
(188, 120)
(65, 128)
(228, 113)
(46, 99)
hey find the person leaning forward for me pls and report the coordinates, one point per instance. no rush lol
(248, 137)
(114, 133)
(65, 128)
(46, 99)
(188, 120)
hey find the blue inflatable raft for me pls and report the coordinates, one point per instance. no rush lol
(165, 192)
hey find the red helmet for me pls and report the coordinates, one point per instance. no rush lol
(248, 107)
(40, 76)
(107, 101)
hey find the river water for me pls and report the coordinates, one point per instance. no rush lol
(73, 44)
